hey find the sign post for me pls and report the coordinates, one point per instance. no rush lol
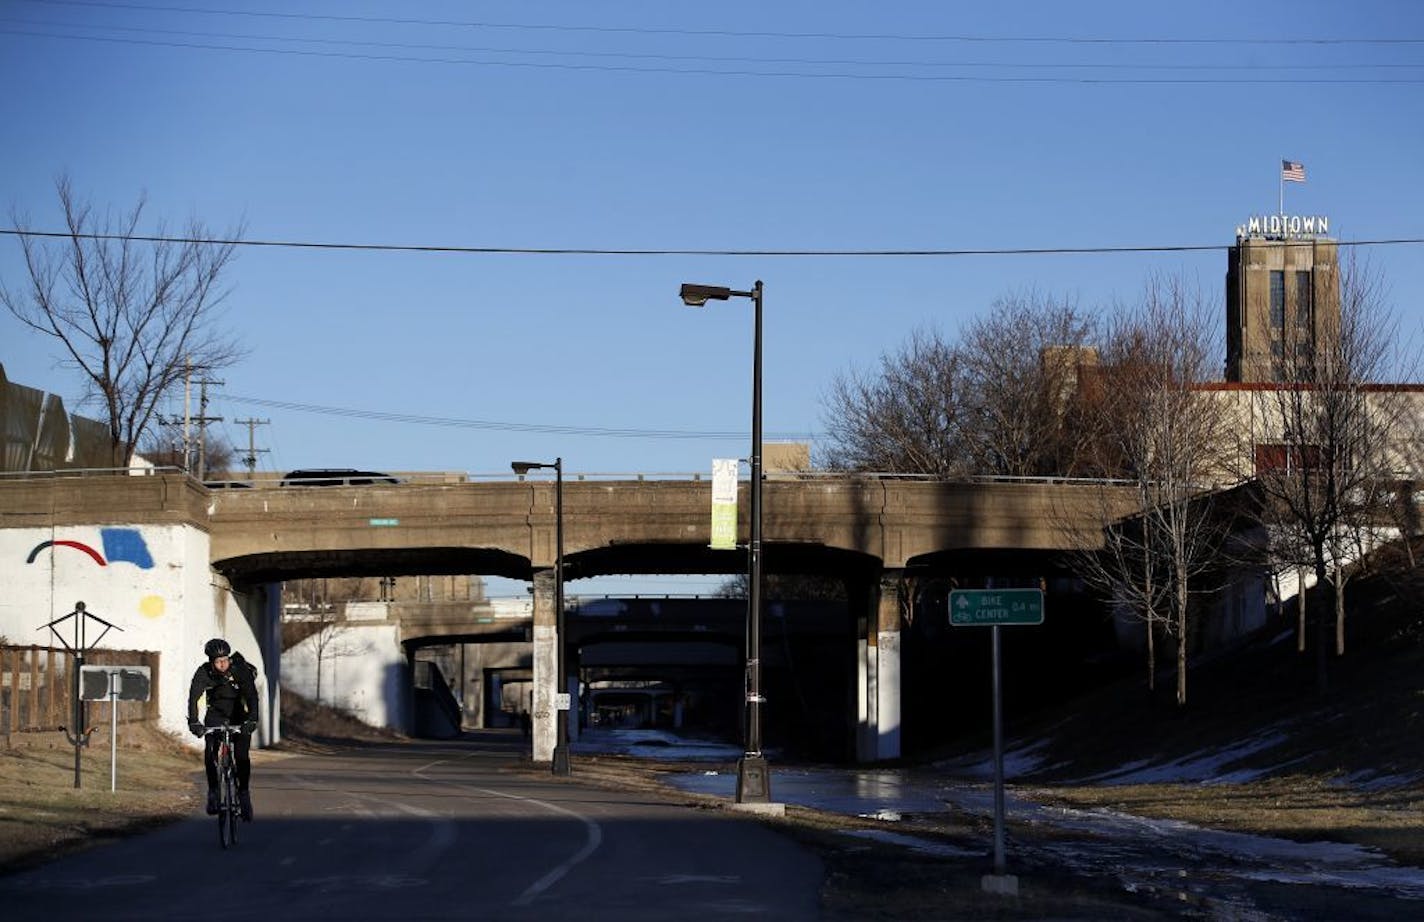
(114, 684)
(80, 737)
(992, 608)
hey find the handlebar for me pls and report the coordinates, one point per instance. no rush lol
(223, 728)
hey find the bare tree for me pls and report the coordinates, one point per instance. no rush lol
(321, 624)
(1020, 373)
(1327, 458)
(1166, 435)
(1000, 401)
(329, 643)
(132, 316)
(904, 420)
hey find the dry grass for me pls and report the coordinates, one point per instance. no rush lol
(42, 814)
(1299, 807)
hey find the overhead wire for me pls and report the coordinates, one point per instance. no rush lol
(538, 428)
(726, 72)
(614, 251)
(733, 65)
(741, 33)
(1037, 65)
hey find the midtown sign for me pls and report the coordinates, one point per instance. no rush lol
(1285, 227)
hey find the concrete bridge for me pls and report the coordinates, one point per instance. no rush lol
(871, 532)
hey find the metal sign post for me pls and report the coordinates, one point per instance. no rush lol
(79, 738)
(992, 608)
(114, 684)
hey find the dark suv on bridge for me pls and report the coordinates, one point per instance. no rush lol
(335, 477)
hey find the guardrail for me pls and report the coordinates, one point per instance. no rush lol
(145, 471)
(435, 478)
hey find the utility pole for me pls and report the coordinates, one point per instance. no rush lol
(202, 420)
(187, 414)
(250, 459)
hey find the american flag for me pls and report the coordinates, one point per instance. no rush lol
(1291, 171)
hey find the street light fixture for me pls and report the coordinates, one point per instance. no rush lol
(560, 764)
(753, 776)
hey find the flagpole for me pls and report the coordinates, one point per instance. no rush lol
(1282, 180)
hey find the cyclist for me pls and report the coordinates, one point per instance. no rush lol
(229, 683)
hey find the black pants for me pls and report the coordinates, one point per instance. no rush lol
(240, 744)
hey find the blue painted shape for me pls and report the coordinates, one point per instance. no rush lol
(126, 544)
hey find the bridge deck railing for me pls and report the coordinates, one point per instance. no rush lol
(272, 480)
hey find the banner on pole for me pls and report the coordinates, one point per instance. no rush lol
(724, 504)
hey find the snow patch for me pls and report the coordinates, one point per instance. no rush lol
(1207, 768)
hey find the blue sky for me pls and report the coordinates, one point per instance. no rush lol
(599, 126)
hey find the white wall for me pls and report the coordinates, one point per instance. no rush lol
(363, 672)
(152, 581)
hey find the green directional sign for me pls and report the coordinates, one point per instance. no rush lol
(996, 606)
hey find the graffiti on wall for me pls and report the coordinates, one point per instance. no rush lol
(120, 545)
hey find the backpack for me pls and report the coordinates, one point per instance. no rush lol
(242, 669)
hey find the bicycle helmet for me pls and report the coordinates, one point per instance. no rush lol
(215, 648)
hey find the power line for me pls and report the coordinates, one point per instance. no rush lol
(456, 423)
(736, 33)
(598, 251)
(723, 72)
(1313, 67)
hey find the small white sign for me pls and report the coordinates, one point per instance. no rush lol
(561, 701)
(724, 480)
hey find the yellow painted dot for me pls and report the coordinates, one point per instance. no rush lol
(151, 606)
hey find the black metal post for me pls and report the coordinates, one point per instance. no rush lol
(561, 719)
(753, 779)
(998, 757)
(79, 736)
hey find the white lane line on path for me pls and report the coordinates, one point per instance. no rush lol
(442, 828)
(534, 890)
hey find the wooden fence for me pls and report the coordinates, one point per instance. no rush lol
(36, 689)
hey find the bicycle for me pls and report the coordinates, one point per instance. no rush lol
(229, 807)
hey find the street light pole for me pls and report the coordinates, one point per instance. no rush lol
(753, 775)
(560, 765)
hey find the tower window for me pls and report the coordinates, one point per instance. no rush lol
(1304, 299)
(1278, 300)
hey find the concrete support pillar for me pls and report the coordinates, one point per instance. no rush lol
(268, 598)
(878, 667)
(545, 661)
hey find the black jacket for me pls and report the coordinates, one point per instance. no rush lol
(232, 695)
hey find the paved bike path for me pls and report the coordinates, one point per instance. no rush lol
(422, 831)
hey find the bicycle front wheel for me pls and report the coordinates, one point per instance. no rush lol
(228, 814)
